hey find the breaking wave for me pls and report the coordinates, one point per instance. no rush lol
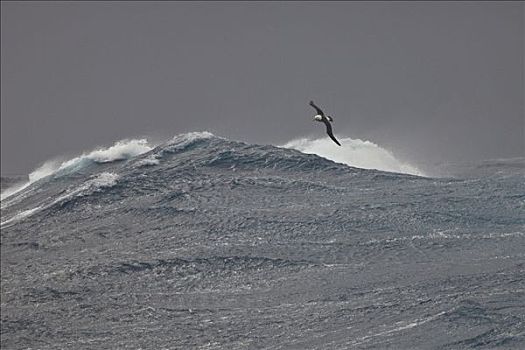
(230, 236)
(356, 153)
(121, 150)
(95, 184)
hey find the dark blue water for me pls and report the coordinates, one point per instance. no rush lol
(206, 243)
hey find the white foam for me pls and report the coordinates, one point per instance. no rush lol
(183, 140)
(22, 215)
(192, 136)
(121, 150)
(148, 161)
(95, 184)
(8, 192)
(441, 235)
(356, 153)
(398, 327)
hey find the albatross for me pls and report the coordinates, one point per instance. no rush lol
(320, 117)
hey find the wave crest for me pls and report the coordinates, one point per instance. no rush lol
(121, 150)
(95, 184)
(356, 153)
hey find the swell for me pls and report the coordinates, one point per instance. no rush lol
(206, 149)
(207, 265)
(147, 170)
(96, 184)
(121, 150)
(190, 150)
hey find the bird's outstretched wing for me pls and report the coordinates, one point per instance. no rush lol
(319, 111)
(329, 131)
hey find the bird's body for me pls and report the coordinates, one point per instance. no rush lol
(320, 117)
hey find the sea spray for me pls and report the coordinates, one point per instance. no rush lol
(121, 150)
(354, 152)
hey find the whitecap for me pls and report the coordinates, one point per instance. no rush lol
(356, 153)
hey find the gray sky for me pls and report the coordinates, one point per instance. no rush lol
(430, 81)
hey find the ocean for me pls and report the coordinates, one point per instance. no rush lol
(201, 242)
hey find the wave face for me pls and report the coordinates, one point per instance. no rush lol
(204, 242)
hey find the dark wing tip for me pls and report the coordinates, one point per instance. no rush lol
(330, 133)
(334, 139)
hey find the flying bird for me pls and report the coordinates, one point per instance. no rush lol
(320, 117)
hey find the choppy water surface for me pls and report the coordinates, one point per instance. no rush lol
(208, 243)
